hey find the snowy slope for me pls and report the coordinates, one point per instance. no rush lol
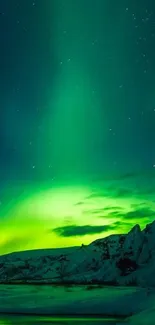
(117, 259)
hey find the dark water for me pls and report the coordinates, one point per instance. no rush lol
(42, 320)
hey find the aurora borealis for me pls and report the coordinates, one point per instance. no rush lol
(77, 120)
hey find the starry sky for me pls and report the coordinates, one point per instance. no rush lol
(77, 120)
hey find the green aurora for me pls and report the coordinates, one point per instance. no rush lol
(77, 150)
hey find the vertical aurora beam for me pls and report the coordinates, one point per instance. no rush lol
(74, 102)
(86, 90)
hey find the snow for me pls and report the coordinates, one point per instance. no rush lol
(147, 317)
(72, 300)
(80, 300)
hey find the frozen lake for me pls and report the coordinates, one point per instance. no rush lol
(67, 300)
(51, 304)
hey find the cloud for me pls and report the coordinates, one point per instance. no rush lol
(116, 213)
(114, 208)
(127, 192)
(139, 213)
(104, 212)
(142, 173)
(99, 193)
(112, 192)
(119, 191)
(111, 212)
(79, 203)
(96, 211)
(130, 192)
(138, 205)
(73, 230)
(120, 224)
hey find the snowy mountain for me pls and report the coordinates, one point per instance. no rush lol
(117, 259)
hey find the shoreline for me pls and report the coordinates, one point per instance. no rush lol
(66, 316)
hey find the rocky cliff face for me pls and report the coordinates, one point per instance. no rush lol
(117, 259)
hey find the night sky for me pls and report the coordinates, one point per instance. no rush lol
(77, 120)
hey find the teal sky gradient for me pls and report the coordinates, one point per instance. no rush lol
(77, 126)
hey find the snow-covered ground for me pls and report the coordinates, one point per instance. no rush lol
(119, 301)
(145, 317)
(77, 300)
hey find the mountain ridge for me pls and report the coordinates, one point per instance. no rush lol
(125, 259)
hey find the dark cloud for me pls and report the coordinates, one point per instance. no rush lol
(139, 213)
(114, 191)
(138, 205)
(142, 173)
(73, 230)
(79, 203)
(102, 212)
(111, 214)
(113, 208)
(97, 211)
(121, 192)
(120, 224)
(115, 213)
(97, 194)
(128, 192)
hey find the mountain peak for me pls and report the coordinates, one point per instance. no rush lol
(150, 227)
(135, 229)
